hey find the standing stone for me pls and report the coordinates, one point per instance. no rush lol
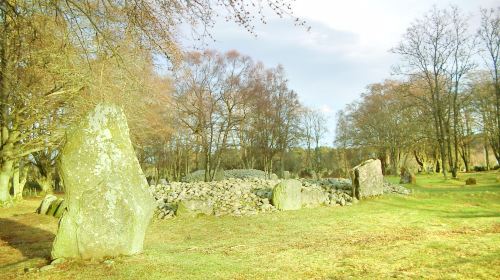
(45, 204)
(406, 177)
(287, 195)
(60, 210)
(368, 179)
(313, 197)
(108, 206)
(54, 206)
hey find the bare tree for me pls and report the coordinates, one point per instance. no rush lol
(489, 34)
(426, 50)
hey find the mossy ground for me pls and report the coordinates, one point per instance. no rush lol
(445, 230)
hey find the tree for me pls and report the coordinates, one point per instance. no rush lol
(426, 49)
(314, 127)
(38, 76)
(461, 64)
(489, 34)
(54, 50)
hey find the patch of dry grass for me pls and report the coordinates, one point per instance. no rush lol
(444, 230)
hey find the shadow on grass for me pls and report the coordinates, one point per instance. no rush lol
(32, 242)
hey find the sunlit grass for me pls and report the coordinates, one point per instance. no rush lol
(444, 230)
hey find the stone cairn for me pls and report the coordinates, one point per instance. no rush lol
(250, 196)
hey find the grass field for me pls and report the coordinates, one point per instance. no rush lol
(444, 230)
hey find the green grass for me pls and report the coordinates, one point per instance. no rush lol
(444, 230)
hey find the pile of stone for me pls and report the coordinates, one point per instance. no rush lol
(242, 197)
(395, 189)
(199, 176)
(340, 184)
(337, 190)
(235, 197)
(52, 206)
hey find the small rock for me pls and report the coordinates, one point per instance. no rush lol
(470, 181)
(30, 269)
(47, 267)
(109, 262)
(342, 201)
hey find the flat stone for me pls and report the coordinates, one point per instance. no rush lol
(47, 267)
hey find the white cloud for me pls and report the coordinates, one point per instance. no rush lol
(325, 109)
(346, 50)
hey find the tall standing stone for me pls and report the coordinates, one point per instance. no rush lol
(108, 203)
(368, 179)
(287, 195)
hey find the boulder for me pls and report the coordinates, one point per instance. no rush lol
(406, 177)
(108, 205)
(60, 210)
(194, 207)
(54, 206)
(163, 181)
(368, 179)
(45, 204)
(313, 197)
(287, 195)
(470, 181)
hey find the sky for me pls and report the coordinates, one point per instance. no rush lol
(346, 49)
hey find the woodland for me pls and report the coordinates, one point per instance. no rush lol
(213, 110)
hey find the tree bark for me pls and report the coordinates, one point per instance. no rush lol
(5, 175)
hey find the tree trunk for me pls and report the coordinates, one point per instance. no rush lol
(18, 192)
(282, 163)
(46, 183)
(419, 161)
(487, 155)
(5, 175)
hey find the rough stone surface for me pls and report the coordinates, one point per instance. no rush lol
(54, 206)
(193, 208)
(47, 267)
(313, 197)
(243, 197)
(108, 203)
(368, 179)
(45, 204)
(470, 181)
(395, 189)
(406, 177)
(287, 195)
(60, 210)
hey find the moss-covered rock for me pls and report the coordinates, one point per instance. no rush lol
(313, 197)
(45, 204)
(108, 203)
(287, 195)
(54, 206)
(368, 179)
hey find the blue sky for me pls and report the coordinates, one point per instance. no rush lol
(346, 49)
